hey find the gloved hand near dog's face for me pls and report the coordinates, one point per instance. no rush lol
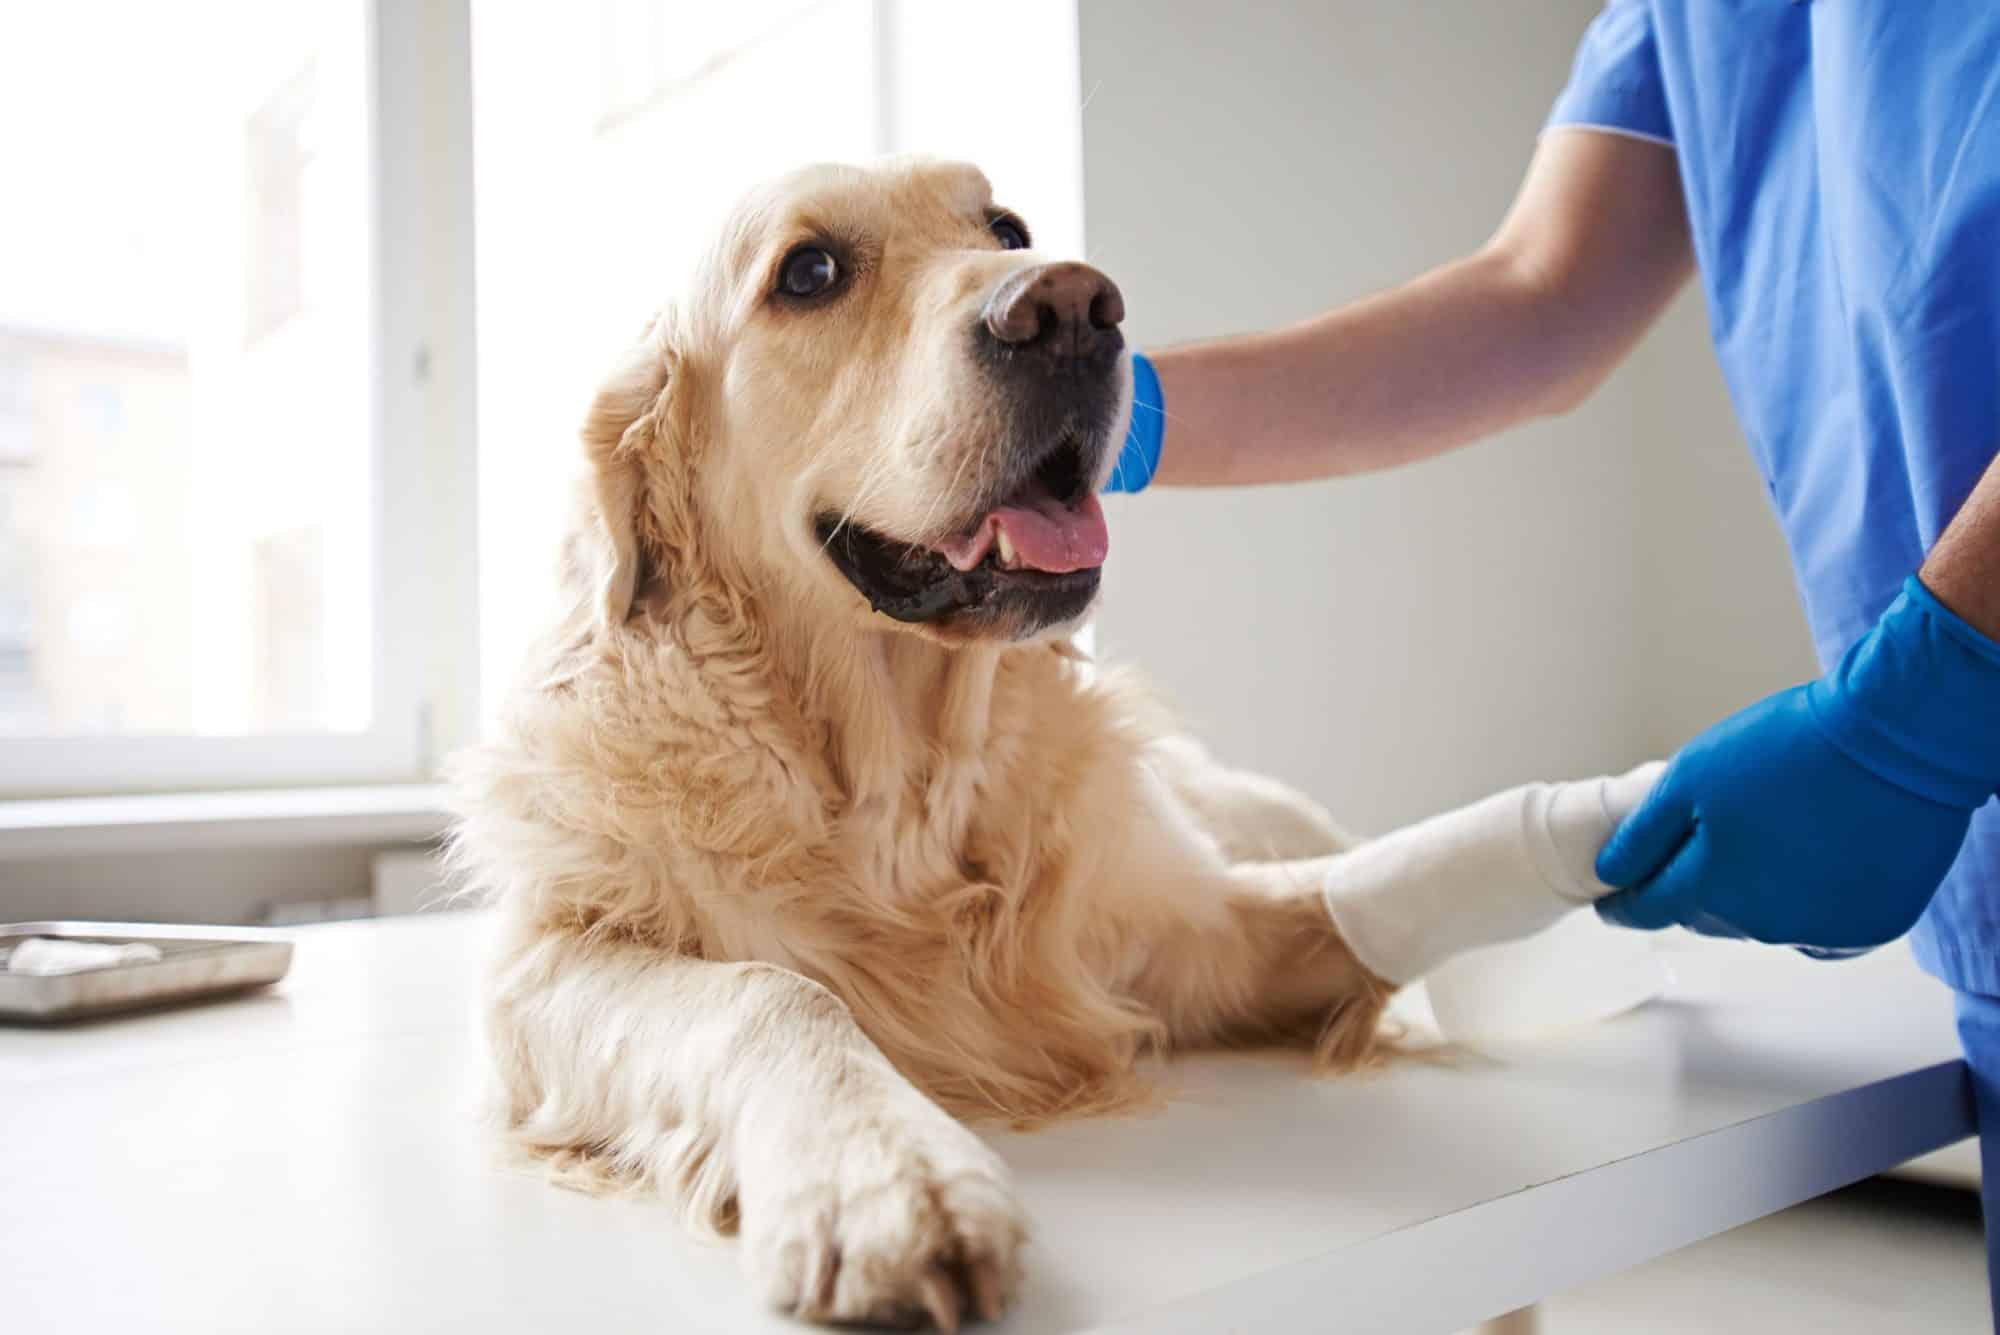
(1827, 815)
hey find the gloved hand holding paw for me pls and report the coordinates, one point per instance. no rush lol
(1825, 816)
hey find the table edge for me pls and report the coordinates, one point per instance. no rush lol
(1518, 1249)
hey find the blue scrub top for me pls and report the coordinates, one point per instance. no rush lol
(1841, 164)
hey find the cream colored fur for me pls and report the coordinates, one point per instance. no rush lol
(787, 887)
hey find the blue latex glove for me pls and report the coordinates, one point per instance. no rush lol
(1141, 453)
(1825, 816)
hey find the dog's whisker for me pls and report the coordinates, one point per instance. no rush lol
(965, 457)
(871, 481)
(878, 473)
(1157, 408)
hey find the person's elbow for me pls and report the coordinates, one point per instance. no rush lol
(1571, 386)
(1580, 315)
(1594, 248)
(1555, 361)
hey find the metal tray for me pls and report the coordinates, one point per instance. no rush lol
(195, 963)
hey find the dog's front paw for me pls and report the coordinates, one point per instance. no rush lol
(889, 1218)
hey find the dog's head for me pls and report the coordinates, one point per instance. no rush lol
(877, 395)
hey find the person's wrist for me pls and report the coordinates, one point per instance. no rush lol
(1139, 455)
(1917, 702)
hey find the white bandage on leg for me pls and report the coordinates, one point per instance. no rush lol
(1502, 868)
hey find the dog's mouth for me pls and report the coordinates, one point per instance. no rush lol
(1031, 560)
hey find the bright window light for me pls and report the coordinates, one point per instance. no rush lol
(185, 433)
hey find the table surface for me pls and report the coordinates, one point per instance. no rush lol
(310, 1160)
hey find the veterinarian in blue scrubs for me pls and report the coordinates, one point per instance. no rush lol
(1832, 170)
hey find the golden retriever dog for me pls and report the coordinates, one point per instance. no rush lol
(810, 832)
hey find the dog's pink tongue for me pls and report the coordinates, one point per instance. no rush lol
(1051, 536)
(1045, 534)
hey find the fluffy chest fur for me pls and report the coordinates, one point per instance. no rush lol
(900, 826)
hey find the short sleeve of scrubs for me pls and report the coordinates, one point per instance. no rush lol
(1615, 83)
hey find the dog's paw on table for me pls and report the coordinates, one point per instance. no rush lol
(899, 1221)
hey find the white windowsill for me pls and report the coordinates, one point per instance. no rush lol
(385, 813)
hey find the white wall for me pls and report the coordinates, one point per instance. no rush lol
(1721, 620)
(1393, 644)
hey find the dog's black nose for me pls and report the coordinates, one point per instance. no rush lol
(1068, 312)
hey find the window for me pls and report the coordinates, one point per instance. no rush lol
(21, 708)
(17, 421)
(275, 165)
(200, 505)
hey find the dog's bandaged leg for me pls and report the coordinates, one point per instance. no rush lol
(1503, 868)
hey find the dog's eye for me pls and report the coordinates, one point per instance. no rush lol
(807, 272)
(1009, 231)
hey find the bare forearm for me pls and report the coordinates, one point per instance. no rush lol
(1436, 363)
(1593, 249)
(1964, 568)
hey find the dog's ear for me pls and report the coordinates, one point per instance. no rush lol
(624, 427)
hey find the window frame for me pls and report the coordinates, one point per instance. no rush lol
(425, 482)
